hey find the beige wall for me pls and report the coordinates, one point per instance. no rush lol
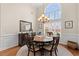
(0, 24)
(69, 13)
(40, 11)
(12, 13)
(78, 21)
(0, 18)
(10, 16)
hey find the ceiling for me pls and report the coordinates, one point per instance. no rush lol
(37, 5)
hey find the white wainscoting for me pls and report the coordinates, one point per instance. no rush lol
(66, 37)
(78, 41)
(11, 40)
(73, 37)
(8, 41)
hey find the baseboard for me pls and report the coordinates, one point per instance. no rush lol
(3, 49)
(8, 41)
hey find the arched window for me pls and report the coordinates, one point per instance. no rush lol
(53, 11)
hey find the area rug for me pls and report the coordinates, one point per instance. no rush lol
(61, 52)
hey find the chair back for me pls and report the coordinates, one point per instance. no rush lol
(28, 40)
(23, 51)
(55, 42)
(49, 34)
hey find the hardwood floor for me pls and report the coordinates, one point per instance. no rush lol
(13, 51)
(10, 52)
(74, 52)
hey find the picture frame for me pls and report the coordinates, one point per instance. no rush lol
(68, 24)
(25, 26)
(40, 25)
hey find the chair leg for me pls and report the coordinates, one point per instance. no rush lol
(34, 53)
(28, 53)
(57, 50)
(50, 53)
(55, 53)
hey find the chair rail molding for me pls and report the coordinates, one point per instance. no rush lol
(8, 41)
(66, 36)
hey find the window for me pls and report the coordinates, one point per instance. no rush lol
(53, 12)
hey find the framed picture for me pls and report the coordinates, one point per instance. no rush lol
(68, 24)
(40, 25)
(25, 26)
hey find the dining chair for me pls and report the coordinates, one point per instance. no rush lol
(32, 46)
(49, 34)
(56, 42)
(52, 47)
(36, 47)
(23, 51)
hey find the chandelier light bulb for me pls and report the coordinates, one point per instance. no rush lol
(43, 18)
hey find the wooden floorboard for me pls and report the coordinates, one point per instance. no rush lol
(13, 51)
(73, 51)
(10, 52)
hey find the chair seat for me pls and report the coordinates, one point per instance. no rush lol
(48, 47)
(36, 48)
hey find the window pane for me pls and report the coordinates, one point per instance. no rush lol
(53, 11)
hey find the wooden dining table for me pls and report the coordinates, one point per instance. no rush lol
(42, 40)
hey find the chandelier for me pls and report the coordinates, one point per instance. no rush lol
(43, 18)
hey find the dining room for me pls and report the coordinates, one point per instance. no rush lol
(39, 29)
